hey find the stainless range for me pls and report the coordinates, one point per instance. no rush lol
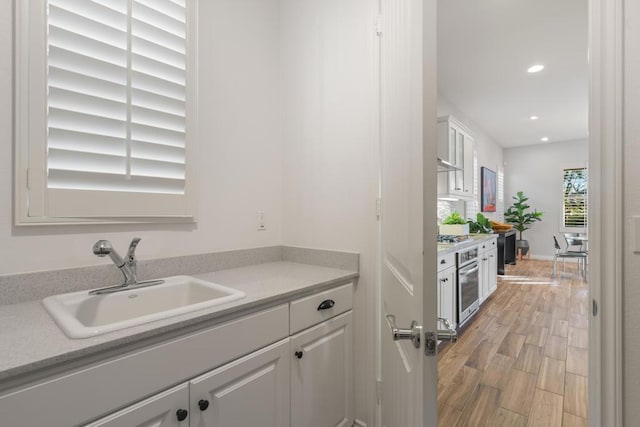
(468, 277)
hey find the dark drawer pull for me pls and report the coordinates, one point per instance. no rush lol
(326, 304)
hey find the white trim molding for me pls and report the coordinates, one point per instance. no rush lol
(606, 211)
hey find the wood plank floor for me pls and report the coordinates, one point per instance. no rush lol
(522, 361)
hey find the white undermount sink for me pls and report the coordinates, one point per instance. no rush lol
(81, 315)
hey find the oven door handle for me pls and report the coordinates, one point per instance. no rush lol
(473, 269)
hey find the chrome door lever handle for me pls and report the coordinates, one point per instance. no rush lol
(398, 334)
(449, 334)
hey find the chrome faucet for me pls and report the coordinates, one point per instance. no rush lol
(127, 266)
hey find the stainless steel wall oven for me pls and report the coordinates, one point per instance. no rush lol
(468, 277)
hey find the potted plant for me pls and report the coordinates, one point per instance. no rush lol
(482, 224)
(519, 215)
(454, 225)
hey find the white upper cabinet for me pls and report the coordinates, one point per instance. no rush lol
(455, 145)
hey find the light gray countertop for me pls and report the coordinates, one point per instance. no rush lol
(447, 248)
(31, 340)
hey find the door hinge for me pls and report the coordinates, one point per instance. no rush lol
(594, 307)
(379, 391)
(378, 208)
(379, 25)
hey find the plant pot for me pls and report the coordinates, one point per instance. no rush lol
(454, 229)
(523, 245)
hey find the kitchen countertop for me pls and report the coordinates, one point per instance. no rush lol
(447, 248)
(32, 341)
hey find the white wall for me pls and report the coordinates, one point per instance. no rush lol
(537, 170)
(331, 151)
(239, 154)
(488, 153)
(631, 260)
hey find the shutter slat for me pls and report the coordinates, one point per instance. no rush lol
(173, 24)
(149, 117)
(74, 62)
(154, 101)
(108, 12)
(158, 169)
(90, 48)
(70, 120)
(145, 150)
(157, 69)
(83, 141)
(144, 31)
(157, 85)
(72, 180)
(157, 135)
(69, 101)
(69, 80)
(153, 49)
(86, 162)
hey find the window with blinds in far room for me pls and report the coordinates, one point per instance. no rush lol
(119, 78)
(574, 201)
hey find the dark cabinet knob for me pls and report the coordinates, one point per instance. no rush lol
(299, 354)
(326, 304)
(182, 414)
(203, 404)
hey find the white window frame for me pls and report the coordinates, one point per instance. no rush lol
(563, 227)
(31, 204)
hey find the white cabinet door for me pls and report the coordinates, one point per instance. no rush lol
(321, 375)
(483, 282)
(469, 170)
(250, 391)
(455, 145)
(447, 296)
(167, 409)
(492, 272)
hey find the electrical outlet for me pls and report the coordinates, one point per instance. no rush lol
(261, 223)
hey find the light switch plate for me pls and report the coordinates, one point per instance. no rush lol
(635, 229)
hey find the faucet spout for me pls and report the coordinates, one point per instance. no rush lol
(127, 266)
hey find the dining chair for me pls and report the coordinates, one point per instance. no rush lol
(580, 256)
(571, 240)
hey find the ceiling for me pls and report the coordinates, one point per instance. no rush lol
(484, 50)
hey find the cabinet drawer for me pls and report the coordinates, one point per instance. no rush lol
(488, 245)
(319, 307)
(446, 261)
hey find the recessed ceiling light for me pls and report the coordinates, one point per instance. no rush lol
(535, 68)
(544, 139)
(534, 117)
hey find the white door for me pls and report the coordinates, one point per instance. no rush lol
(408, 226)
(250, 391)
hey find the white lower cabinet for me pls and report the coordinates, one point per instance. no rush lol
(321, 375)
(251, 391)
(447, 296)
(488, 275)
(304, 380)
(447, 290)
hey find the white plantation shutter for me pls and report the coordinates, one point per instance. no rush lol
(574, 202)
(116, 95)
(119, 83)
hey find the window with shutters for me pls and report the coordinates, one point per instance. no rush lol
(104, 107)
(574, 201)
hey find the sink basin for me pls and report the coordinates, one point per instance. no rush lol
(81, 315)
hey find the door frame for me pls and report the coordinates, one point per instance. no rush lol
(606, 212)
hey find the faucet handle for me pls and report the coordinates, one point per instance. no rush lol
(131, 253)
